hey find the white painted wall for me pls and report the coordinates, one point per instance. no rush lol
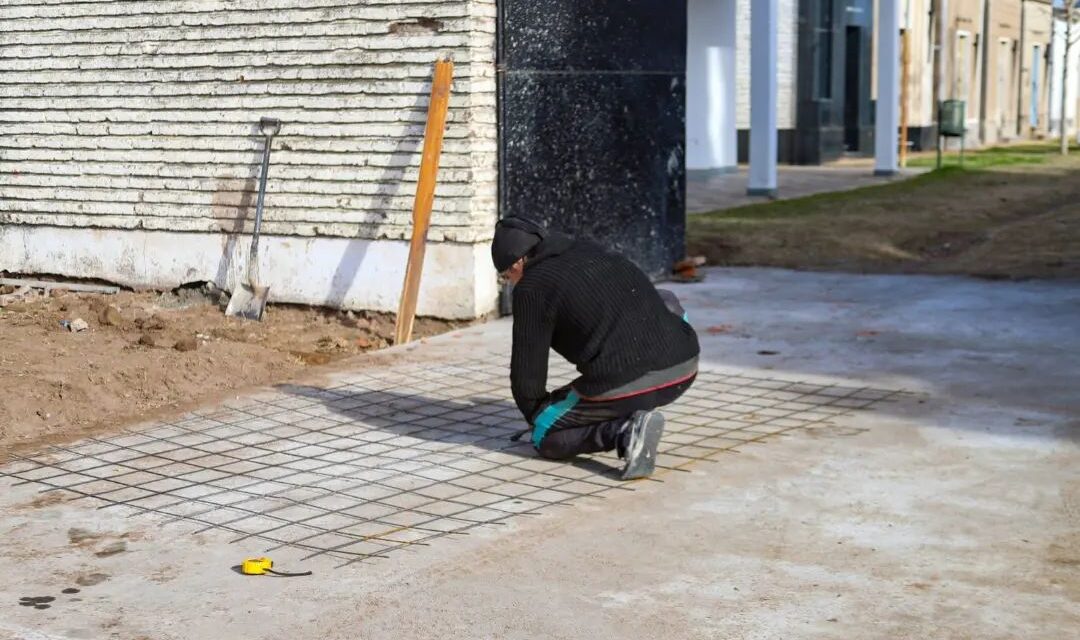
(132, 116)
(710, 85)
(459, 281)
(786, 68)
(1057, 58)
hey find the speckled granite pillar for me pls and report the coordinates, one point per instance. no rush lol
(592, 102)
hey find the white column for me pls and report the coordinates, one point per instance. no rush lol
(710, 85)
(887, 117)
(763, 145)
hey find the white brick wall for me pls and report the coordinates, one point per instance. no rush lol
(141, 115)
(788, 42)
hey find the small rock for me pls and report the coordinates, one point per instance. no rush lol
(328, 343)
(112, 549)
(43, 414)
(77, 325)
(78, 534)
(363, 343)
(350, 315)
(57, 293)
(147, 340)
(91, 579)
(719, 328)
(110, 316)
(188, 343)
(152, 323)
(312, 357)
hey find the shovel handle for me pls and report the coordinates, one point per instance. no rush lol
(269, 127)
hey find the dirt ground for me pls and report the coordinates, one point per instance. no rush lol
(147, 353)
(1008, 221)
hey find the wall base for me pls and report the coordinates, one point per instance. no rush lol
(458, 282)
(757, 192)
(785, 146)
(923, 138)
(704, 175)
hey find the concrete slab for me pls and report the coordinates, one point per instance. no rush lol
(863, 456)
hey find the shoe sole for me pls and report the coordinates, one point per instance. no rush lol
(642, 463)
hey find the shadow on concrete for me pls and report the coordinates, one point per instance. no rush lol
(480, 422)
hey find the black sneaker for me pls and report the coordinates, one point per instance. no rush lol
(642, 438)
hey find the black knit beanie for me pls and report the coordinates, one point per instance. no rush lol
(514, 238)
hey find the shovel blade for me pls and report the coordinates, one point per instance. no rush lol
(248, 302)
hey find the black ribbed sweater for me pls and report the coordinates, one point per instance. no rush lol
(598, 311)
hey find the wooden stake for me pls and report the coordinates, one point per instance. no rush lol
(425, 196)
(905, 58)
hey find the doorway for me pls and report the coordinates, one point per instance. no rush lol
(852, 94)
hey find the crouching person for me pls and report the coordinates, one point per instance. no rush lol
(630, 342)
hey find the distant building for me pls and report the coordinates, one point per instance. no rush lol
(1003, 58)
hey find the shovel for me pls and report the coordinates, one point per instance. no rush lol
(249, 300)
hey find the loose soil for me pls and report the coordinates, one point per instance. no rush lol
(1005, 221)
(148, 353)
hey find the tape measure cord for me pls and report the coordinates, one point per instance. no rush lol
(288, 575)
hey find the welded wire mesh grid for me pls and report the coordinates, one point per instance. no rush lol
(389, 459)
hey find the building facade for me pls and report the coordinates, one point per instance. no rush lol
(129, 149)
(130, 152)
(1002, 58)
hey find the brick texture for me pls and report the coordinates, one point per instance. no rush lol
(142, 115)
(787, 43)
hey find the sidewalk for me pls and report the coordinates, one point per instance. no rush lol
(706, 191)
(861, 457)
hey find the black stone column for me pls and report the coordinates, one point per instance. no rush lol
(591, 121)
(834, 114)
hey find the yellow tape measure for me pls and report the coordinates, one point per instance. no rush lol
(256, 566)
(263, 566)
